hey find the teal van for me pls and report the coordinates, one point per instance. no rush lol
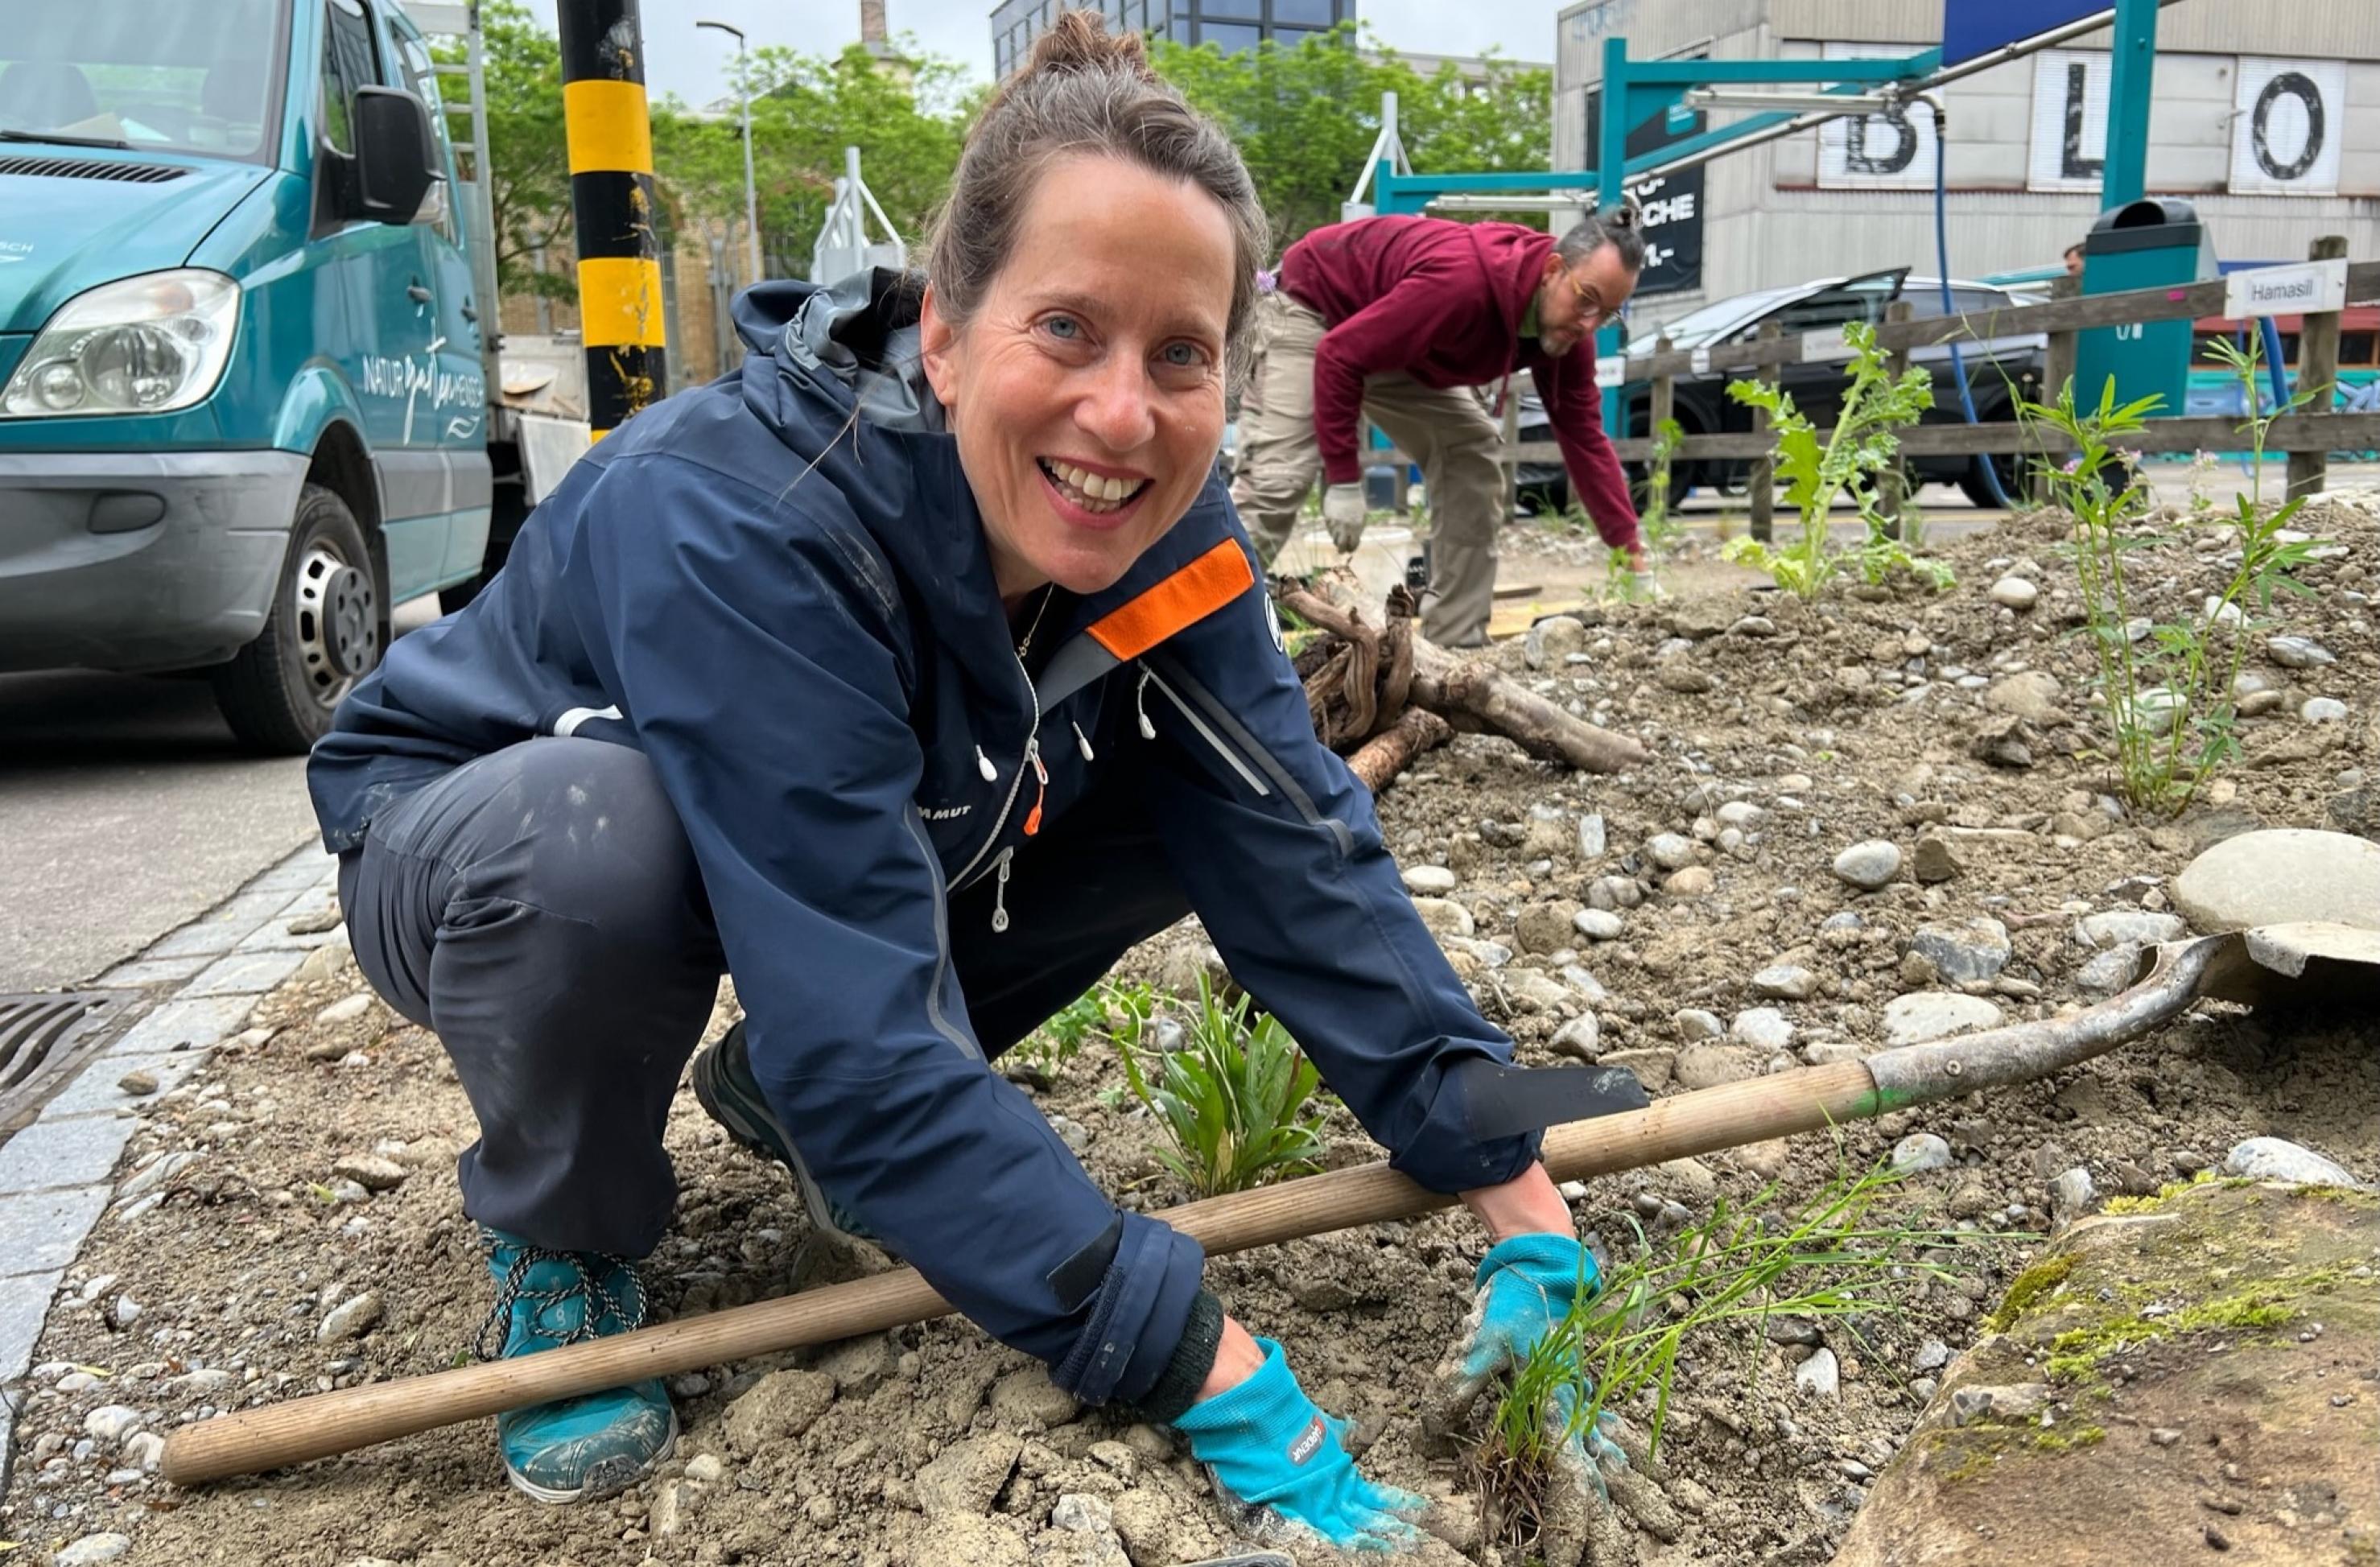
(244, 388)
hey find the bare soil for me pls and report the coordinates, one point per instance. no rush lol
(1782, 739)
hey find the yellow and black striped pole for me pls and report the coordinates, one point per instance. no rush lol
(611, 138)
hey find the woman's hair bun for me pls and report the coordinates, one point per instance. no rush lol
(1623, 216)
(1079, 41)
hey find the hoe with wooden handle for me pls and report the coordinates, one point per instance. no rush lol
(1806, 1099)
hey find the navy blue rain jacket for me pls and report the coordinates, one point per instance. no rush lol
(777, 588)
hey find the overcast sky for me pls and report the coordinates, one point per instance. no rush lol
(689, 63)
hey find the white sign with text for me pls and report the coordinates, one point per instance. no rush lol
(2291, 290)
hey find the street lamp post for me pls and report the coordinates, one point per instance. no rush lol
(751, 190)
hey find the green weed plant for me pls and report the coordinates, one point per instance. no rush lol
(1863, 444)
(1709, 1288)
(1099, 1012)
(1235, 1098)
(2171, 694)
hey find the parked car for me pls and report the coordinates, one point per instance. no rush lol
(1998, 370)
(251, 398)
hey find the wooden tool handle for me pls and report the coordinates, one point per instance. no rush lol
(274, 1435)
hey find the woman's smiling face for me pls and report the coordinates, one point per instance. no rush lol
(1086, 390)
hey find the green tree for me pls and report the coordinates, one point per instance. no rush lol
(529, 184)
(1304, 116)
(907, 121)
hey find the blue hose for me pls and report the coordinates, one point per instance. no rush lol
(1942, 257)
(2277, 372)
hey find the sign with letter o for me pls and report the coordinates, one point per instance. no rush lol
(2289, 128)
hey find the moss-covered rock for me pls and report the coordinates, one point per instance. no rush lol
(2208, 1357)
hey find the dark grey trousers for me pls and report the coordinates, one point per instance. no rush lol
(539, 910)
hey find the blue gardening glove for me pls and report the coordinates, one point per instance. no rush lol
(1281, 1460)
(1604, 1480)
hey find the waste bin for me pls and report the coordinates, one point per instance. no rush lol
(2154, 243)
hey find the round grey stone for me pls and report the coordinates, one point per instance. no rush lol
(352, 1318)
(2281, 875)
(1694, 1025)
(1429, 881)
(2300, 652)
(92, 1549)
(1592, 838)
(2015, 593)
(111, 1422)
(2276, 1158)
(2110, 971)
(1671, 851)
(2324, 709)
(1552, 640)
(1819, 1376)
(1597, 924)
(1761, 1025)
(1785, 982)
(1869, 864)
(1915, 1154)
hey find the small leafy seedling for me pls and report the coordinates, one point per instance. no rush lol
(1096, 1012)
(1234, 1098)
(1655, 522)
(2169, 693)
(1864, 443)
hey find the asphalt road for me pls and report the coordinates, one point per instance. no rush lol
(126, 809)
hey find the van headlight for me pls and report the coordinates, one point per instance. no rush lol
(145, 345)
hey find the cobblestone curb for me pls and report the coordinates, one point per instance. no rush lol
(55, 1175)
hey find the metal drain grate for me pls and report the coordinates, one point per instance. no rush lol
(39, 1035)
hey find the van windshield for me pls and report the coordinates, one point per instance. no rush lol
(183, 76)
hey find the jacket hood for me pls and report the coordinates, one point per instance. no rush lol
(1514, 259)
(834, 375)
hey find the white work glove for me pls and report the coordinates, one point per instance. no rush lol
(1649, 588)
(1342, 513)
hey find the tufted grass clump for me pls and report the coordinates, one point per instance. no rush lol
(1235, 1100)
(1708, 1289)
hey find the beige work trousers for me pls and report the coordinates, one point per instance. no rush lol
(1443, 428)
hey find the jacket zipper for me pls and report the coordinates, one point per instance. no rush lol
(1246, 774)
(1031, 759)
(1000, 890)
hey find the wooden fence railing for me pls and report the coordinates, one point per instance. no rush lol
(2307, 438)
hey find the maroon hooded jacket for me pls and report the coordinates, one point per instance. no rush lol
(1444, 302)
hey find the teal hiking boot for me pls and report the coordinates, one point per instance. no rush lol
(574, 1449)
(728, 1091)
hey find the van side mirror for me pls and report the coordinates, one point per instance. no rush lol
(396, 159)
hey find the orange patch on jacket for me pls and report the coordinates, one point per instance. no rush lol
(1190, 595)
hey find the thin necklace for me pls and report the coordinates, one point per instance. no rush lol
(1025, 645)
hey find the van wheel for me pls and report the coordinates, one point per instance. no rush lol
(323, 634)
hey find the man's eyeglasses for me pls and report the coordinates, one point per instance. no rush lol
(1589, 301)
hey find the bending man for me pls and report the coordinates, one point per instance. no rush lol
(1395, 318)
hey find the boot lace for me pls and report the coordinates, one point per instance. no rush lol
(593, 1293)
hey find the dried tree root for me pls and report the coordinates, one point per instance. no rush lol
(1468, 692)
(1446, 683)
(1385, 755)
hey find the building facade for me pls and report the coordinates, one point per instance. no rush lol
(2265, 116)
(1229, 24)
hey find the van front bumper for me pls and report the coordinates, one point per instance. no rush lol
(139, 561)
